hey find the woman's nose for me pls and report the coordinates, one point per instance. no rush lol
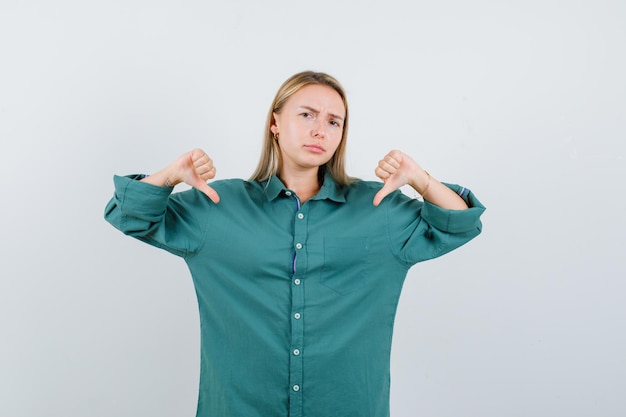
(319, 130)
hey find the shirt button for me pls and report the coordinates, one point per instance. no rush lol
(296, 388)
(300, 216)
(297, 316)
(298, 245)
(296, 281)
(288, 193)
(296, 352)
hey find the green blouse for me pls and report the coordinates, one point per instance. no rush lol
(297, 301)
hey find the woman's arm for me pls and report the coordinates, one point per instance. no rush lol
(397, 169)
(147, 211)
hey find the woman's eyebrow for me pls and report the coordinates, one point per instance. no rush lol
(312, 110)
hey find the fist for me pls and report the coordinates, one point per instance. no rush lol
(395, 170)
(195, 169)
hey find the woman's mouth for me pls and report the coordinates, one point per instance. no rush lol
(315, 148)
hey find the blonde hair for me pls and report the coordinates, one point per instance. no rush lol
(269, 163)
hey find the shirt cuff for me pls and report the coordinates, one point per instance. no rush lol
(455, 221)
(140, 198)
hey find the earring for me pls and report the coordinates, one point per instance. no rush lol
(275, 136)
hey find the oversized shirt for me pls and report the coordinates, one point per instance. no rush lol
(297, 301)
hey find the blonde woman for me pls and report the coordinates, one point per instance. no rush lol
(298, 270)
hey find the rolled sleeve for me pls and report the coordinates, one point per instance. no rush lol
(455, 221)
(419, 231)
(139, 200)
(156, 216)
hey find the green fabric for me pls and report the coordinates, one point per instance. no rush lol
(315, 342)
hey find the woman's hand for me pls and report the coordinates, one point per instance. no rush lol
(194, 168)
(397, 169)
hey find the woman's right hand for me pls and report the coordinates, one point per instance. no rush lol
(194, 168)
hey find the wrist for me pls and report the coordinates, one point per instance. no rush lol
(170, 176)
(421, 182)
(163, 178)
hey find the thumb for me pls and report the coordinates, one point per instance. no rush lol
(203, 187)
(387, 189)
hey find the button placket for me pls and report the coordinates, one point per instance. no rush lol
(297, 307)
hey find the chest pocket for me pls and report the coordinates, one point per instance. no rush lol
(346, 262)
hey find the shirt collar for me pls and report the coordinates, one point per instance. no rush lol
(330, 190)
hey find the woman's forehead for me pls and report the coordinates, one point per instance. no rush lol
(318, 97)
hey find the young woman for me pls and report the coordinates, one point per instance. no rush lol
(298, 271)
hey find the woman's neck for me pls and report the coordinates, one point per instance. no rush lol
(304, 184)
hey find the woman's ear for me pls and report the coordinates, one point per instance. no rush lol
(274, 126)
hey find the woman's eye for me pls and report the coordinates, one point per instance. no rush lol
(305, 114)
(335, 123)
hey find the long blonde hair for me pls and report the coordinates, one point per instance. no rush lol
(269, 163)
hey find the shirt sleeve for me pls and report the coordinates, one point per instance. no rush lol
(419, 231)
(154, 215)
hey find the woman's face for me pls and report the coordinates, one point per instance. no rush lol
(309, 128)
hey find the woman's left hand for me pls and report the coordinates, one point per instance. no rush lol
(395, 170)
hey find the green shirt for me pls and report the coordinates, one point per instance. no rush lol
(297, 301)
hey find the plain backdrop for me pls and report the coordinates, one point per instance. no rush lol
(524, 102)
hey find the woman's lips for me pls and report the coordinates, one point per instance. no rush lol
(315, 148)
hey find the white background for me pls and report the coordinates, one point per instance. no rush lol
(522, 101)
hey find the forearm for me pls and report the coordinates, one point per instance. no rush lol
(435, 192)
(163, 178)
